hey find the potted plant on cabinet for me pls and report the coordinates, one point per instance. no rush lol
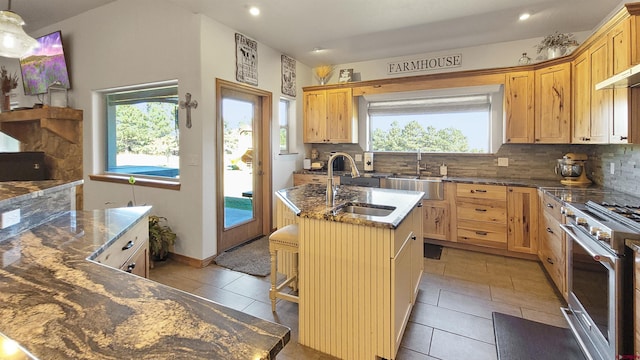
(161, 238)
(556, 44)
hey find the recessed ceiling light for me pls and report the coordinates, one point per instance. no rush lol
(254, 11)
(317, 49)
(524, 16)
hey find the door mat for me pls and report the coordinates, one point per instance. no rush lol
(250, 258)
(522, 339)
(432, 251)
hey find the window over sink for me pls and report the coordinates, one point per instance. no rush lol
(462, 120)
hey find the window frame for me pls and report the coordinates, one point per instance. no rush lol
(286, 126)
(110, 136)
(496, 121)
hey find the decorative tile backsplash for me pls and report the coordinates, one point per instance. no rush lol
(526, 161)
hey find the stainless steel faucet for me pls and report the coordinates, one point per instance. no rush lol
(418, 167)
(332, 189)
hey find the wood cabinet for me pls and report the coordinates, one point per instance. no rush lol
(417, 251)
(519, 109)
(522, 226)
(552, 249)
(636, 311)
(591, 108)
(130, 252)
(330, 116)
(300, 179)
(553, 104)
(619, 39)
(481, 213)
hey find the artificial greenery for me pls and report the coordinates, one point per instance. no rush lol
(556, 40)
(161, 237)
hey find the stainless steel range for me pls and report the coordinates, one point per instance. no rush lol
(599, 272)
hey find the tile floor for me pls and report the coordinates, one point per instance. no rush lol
(451, 320)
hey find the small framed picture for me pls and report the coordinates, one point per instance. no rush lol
(346, 75)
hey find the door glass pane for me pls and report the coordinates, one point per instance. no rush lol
(237, 121)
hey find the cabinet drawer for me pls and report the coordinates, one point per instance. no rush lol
(482, 233)
(482, 210)
(300, 179)
(552, 235)
(124, 247)
(478, 191)
(404, 231)
(554, 264)
(138, 264)
(552, 206)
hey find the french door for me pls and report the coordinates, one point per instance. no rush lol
(243, 163)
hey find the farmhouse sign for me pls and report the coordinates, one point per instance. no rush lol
(424, 64)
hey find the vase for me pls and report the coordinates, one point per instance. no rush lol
(554, 52)
(6, 102)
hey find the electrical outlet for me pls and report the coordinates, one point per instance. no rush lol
(10, 218)
(358, 157)
(612, 168)
(503, 161)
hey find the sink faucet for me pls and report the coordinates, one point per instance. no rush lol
(331, 189)
(419, 158)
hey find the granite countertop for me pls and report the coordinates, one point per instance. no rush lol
(59, 305)
(15, 191)
(309, 201)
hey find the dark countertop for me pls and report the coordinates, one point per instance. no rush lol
(59, 305)
(15, 191)
(309, 201)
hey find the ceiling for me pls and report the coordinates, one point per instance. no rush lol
(360, 30)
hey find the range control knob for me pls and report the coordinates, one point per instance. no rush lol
(594, 230)
(581, 221)
(603, 236)
(567, 212)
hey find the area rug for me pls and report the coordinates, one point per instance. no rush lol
(522, 339)
(432, 251)
(250, 258)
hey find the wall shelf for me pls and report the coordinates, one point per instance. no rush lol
(64, 122)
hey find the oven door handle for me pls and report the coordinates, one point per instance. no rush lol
(599, 256)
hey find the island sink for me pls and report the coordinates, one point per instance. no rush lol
(366, 209)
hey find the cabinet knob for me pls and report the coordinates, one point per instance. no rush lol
(128, 246)
(550, 261)
(131, 267)
(549, 231)
(623, 137)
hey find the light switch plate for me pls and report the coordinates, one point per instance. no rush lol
(612, 168)
(503, 161)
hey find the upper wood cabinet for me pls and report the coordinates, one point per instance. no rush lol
(553, 104)
(591, 108)
(330, 116)
(519, 109)
(620, 51)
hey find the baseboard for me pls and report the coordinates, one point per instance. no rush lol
(191, 261)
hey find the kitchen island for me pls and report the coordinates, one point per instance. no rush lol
(358, 274)
(57, 303)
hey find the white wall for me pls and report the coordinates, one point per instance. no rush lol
(503, 54)
(133, 42)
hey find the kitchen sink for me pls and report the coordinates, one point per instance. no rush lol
(432, 186)
(365, 209)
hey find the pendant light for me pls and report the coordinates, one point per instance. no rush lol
(14, 42)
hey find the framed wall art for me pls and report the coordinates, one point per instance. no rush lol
(288, 76)
(246, 60)
(346, 75)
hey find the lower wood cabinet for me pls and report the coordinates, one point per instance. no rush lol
(130, 252)
(481, 212)
(553, 249)
(438, 220)
(522, 225)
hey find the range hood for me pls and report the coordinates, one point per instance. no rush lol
(627, 78)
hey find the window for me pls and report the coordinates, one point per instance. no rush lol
(142, 132)
(284, 125)
(440, 123)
